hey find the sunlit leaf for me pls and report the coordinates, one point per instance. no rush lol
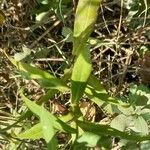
(140, 125)
(45, 78)
(57, 123)
(81, 72)
(85, 17)
(22, 55)
(34, 132)
(41, 16)
(48, 129)
(127, 111)
(19, 56)
(119, 122)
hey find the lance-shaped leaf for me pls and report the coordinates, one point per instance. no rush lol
(56, 122)
(33, 133)
(100, 129)
(85, 17)
(41, 130)
(46, 122)
(45, 78)
(48, 129)
(80, 74)
(97, 93)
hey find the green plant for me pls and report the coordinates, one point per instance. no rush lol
(135, 118)
(79, 81)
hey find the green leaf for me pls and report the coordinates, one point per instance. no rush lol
(100, 129)
(22, 55)
(41, 52)
(89, 139)
(41, 16)
(35, 73)
(46, 121)
(127, 111)
(48, 129)
(141, 100)
(33, 133)
(56, 123)
(43, 77)
(145, 145)
(143, 48)
(125, 144)
(19, 56)
(27, 114)
(85, 17)
(119, 122)
(133, 89)
(139, 95)
(48, 95)
(140, 125)
(96, 92)
(80, 74)
(67, 33)
(95, 84)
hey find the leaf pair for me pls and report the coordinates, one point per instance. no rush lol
(48, 126)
